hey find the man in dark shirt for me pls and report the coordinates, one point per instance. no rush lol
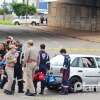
(44, 64)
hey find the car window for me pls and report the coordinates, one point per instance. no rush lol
(98, 61)
(22, 17)
(77, 62)
(27, 17)
(88, 62)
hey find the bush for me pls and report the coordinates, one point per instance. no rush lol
(1, 11)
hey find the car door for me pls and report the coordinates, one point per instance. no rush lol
(98, 65)
(77, 67)
(23, 19)
(90, 72)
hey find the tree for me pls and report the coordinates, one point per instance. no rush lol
(23, 9)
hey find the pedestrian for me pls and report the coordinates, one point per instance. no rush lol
(18, 73)
(44, 65)
(2, 49)
(10, 63)
(65, 72)
(30, 64)
(2, 65)
(42, 19)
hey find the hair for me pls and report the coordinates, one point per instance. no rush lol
(63, 50)
(42, 46)
(30, 42)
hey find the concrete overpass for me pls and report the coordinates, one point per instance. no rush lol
(75, 14)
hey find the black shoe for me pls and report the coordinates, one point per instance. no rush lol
(41, 93)
(30, 94)
(8, 92)
(20, 91)
(27, 92)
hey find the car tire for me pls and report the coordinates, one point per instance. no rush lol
(17, 23)
(50, 87)
(76, 85)
(33, 23)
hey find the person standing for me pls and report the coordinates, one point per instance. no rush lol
(44, 65)
(30, 64)
(66, 72)
(18, 73)
(10, 63)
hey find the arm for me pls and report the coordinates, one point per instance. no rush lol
(26, 55)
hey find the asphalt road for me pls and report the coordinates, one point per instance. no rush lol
(54, 42)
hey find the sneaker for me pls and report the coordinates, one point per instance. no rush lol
(8, 92)
(27, 92)
(30, 94)
(41, 93)
(20, 91)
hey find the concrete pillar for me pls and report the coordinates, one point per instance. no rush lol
(75, 16)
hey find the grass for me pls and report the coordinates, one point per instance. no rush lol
(5, 22)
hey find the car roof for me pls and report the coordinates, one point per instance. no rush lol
(82, 55)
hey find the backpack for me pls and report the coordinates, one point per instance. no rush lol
(66, 63)
(39, 76)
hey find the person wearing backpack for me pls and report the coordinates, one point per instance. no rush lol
(65, 72)
(44, 65)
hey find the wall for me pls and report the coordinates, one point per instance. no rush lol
(74, 16)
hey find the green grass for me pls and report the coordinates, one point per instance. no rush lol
(5, 22)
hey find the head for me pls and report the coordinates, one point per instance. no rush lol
(18, 44)
(63, 51)
(42, 46)
(9, 39)
(30, 43)
(1, 46)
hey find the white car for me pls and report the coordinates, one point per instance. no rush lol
(84, 70)
(33, 20)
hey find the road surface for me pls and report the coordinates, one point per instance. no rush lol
(54, 42)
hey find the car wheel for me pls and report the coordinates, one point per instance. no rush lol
(33, 23)
(76, 85)
(17, 23)
(37, 24)
(50, 87)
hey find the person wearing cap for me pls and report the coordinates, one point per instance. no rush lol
(30, 64)
(10, 62)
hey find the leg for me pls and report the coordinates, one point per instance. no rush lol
(20, 80)
(4, 80)
(43, 84)
(8, 85)
(35, 85)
